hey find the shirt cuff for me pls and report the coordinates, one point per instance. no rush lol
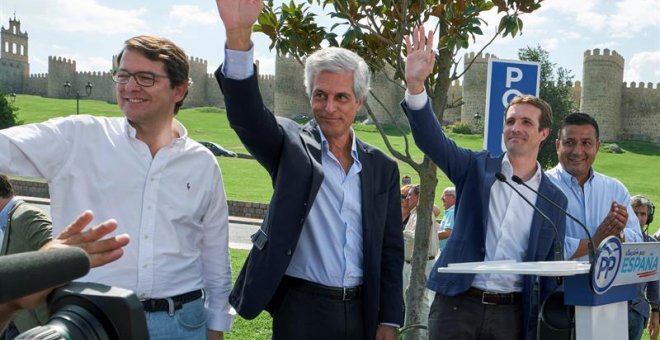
(416, 101)
(238, 64)
(390, 324)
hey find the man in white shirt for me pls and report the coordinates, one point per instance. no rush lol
(164, 189)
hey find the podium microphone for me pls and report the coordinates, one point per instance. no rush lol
(26, 273)
(590, 244)
(559, 251)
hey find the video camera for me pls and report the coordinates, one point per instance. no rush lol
(91, 311)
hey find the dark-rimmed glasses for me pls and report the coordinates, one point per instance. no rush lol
(142, 78)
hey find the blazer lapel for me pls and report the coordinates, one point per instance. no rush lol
(493, 165)
(367, 179)
(311, 139)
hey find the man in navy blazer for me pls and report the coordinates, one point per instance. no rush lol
(493, 222)
(327, 261)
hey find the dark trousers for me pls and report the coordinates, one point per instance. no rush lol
(302, 315)
(465, 317)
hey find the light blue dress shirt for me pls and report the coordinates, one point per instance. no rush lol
(330, 248)
(446, 223)
(4, 218)
(591, 205)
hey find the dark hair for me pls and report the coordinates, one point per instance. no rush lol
(157, 48)
(545, 120)
(6, 189)
(415, 189)
(578, 118)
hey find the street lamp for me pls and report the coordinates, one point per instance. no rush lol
(88, 91)
(477, 121)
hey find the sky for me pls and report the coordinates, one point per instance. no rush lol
(91, 31)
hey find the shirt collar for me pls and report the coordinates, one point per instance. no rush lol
(324, 143)
(183, 132)
(566, 176)
(4, 213)
(507, 170)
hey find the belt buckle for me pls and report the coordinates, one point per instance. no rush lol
(483, 299)
(344, 292)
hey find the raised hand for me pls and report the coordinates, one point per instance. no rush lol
(420, 59)
(238, 17)
(101, 251)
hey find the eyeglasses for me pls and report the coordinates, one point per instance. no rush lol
(142, 78)
(403, 197)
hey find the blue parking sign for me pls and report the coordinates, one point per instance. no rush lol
(506, 79)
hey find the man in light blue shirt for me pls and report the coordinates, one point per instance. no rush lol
(602, 203)
(327, 260)
(447, 224)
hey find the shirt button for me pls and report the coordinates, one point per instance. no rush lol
(146, 237)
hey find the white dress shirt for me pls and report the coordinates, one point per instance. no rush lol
(172, 205)
(507, 234)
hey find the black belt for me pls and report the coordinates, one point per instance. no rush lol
(339, 293)
(430, 258)
(489, 298)
(177, 302)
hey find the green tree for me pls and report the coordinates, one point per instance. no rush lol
(556, 83)
(8, 111)
(376, 30)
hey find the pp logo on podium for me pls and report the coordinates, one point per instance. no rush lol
(606, 266)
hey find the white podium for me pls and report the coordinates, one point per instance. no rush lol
(599, 291)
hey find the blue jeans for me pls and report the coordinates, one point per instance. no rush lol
(189, 322)
(636, 325)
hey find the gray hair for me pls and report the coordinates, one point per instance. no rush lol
(336, 60)
(639, 200)
(450, 191)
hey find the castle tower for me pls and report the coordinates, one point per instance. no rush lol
(290, 96)
(61, 70)
(602, 82)
(474, 87)
(196, 93)
(389, 94)
(15, 45)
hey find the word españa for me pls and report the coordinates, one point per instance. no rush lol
(639, 264)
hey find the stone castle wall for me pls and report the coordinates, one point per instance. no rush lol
(623, 111)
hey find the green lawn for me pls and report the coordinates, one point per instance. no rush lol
(245, 180)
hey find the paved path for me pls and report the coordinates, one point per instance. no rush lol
(240, 228)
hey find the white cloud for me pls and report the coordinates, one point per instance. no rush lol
(185, 15)
(103, 64)
(89, 17)
(633, 16)
(550, 44)
(643, 66)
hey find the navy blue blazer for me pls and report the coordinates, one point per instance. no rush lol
(473, 174)
(292, 156)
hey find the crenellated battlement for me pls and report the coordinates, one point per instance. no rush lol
(478, 58)
(623, 109)
(640, 85)
(197, 60)
(606, 55)
(61, 60)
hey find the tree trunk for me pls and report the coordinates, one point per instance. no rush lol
(428, 182)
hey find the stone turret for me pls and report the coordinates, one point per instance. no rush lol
(474, 87)
(15, 45)
(290, 97)
(602, 83)
(61, 70)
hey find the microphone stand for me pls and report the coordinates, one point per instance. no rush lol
(590, 244)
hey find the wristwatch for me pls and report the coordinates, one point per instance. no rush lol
(655, 308)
